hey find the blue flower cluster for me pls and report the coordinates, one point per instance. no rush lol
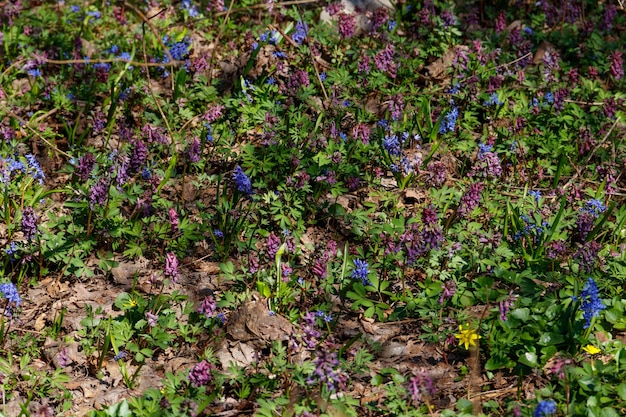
(545, 408)
(10, 166)
(360, 271)
(591, 302)
(449, 121)
(242, 182)
(594, 207)
(300, 34)
(9, 291)
(493, 100)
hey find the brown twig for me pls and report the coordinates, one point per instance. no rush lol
(592, 153)
(46, 141)
(110, 60)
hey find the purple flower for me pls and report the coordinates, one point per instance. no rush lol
(9, 291)
(361, 271)
(63, 357)
(421, 384)
(98, 193)
(587, 255)
(505, 305)
(200, 374)
(327, 368)
(500, 23)
(384, 60)
(208, 307)
(173, 216)
(171, 266)
(273, 244)
(242, 182)
(310, 333)
(449, 288)
(86, 164)
(346, 25)
(470, 199)
(151, 318)
(138, 156)
(194, 151)
(29, 223)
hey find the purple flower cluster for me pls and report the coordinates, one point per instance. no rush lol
(346, 25)
(86, 164)
(171, 266)
(384, 60)
(327, 368)
(421, 384)
(200, 374)
(449, 288)
(98, 193)
(173, 218)
(208, 307)
(470, 199)
(587, 255)
(29, 223)
(488, 164)
(436, 174)
(311, 335)
(194, 152)
(138, 155)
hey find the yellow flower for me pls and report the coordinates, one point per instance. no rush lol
(467, 336)
(591, 349)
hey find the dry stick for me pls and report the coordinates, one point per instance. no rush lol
(314, 60)
(145, 58)
(219, 36)
(592, 153)
(110, 60)
(152, 28)
(27, 125)
(10, 67)
(267, 5)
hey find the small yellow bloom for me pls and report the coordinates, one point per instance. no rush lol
(591, 349)
(467, 336)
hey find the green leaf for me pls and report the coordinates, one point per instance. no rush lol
(621, 390)
(522, 314)
(529, 359)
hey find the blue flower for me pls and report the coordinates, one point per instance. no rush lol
(493, 100)
(591, 302)
(35, 168)
(119, 356)
(536, 194)
(449, 121)
(9, 291)
(549, 97)
(360, 271)
(483, 149)
(218, 233)
(242, 182)
(392, 145)
(594, 207)
(391, 25)
(323, 76)
(545, 408)
(300, 34)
